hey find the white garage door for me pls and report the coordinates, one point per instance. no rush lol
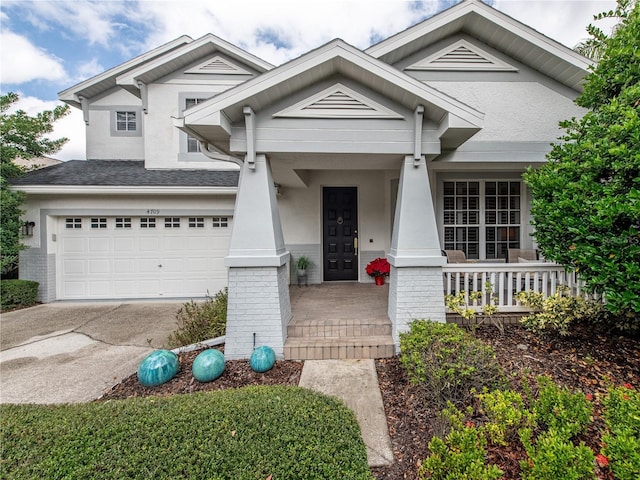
(141, 257)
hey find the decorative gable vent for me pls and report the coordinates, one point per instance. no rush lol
(218, 65)
(338, 101)
(462, 55)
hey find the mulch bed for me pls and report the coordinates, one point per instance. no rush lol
(582, 361)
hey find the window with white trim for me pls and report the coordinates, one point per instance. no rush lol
(98, 223)
(220, 222)
(192, 143)
(73, 223)
(147, 222)
(172, 222)
(123, 222)
(196, 222)
(482, 218)
(125, 121)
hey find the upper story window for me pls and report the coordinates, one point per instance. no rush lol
(192, 143)
(126, 121)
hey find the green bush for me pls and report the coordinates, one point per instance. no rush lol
(461, 455)
(553, 456)
(199, 321)
(250, 433)
(622, 438)
(18, 293)
(448, 363)
(506, 413)
(558, 311)
(561, 410)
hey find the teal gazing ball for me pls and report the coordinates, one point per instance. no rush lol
(262, 359)
(158, 367)
(208, 365)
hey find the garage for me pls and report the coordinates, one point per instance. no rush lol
(141, 257)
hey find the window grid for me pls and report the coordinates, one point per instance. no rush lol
(73, 223)
(123, 222)
(462, 217)
(171, 222)
(126, 121)
(220, 222)
(196, 222)
(98, 223)
(502, 218)
(192, 143)
(147, 222)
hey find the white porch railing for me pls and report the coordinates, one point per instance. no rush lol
(507, 279)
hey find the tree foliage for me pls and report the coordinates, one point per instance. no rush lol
(22, 136)
(586, 198)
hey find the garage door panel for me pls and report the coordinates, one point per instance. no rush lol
(124, 262)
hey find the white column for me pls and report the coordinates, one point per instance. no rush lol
(259, 305)
(416, 287)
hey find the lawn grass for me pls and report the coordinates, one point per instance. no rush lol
(248, 433)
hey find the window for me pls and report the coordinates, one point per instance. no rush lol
(123, 222)
(171, 222)
(219, 222)
(196, 222)
(73, 223)
(192, 143)
(125, 121)
(146, 222)
(493, 223)
(98, 223)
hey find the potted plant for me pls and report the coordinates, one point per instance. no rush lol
(378, 269)
(302, 263)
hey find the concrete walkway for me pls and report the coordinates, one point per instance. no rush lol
(355, 382)
(72, 352)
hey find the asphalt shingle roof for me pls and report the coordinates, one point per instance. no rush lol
(125, 173)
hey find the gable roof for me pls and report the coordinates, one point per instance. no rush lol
(212, 119)
(123, 173)
(180, 58)
(495, 29)
(106, 80)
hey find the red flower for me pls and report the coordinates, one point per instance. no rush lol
(589, 397)
(628, 386)
(469, 424)
(602, 460)
(378, 267)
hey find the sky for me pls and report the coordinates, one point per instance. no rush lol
(50, 45)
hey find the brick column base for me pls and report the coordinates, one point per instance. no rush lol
(258, 304)
(415, 293)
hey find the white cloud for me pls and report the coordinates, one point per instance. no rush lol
(89, 69)
(71, 126)
(22, 61)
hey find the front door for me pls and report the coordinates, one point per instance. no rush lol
(340, 233)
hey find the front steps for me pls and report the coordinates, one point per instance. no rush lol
(339, 339)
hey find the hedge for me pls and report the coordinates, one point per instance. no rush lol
(18, 293)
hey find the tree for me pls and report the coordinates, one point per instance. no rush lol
(21, 136)
(594, 47)
(586, 198)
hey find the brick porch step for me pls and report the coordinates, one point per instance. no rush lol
(339, 348)
(333, 328)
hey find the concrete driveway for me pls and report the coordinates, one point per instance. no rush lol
(72, 352)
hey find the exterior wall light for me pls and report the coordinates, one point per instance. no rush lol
(27, 229)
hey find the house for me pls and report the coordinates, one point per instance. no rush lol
(210, 167)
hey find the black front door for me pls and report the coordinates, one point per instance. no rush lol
(340, 233)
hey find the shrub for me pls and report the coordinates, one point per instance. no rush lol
(18, 293)
(448, 363)
(199, 321)
(622, 438)
(553, 456)
(249, 433)
(560, 410)
(506, 413)
(558, 311)
(460, 455)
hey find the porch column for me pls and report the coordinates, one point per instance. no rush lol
(416, 288)
(259, 302)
